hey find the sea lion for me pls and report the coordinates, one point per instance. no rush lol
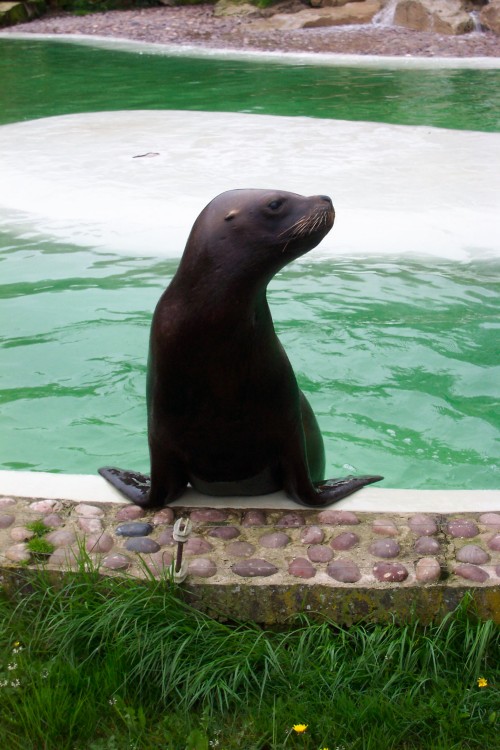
(225, 413)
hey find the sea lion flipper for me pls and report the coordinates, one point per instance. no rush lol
(132, 484)
(332, 490)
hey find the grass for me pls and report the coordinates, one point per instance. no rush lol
(108, 664)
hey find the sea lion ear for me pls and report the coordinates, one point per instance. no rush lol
(234, 212)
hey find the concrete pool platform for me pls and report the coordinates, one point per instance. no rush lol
(379, 554)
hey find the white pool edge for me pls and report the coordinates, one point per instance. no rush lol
(89, 488)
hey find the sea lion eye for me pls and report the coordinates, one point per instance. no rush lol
(274, 205)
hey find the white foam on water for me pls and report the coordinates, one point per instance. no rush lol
(134, 181)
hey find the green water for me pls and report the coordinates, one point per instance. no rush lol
(400, 359)
(40, 79)
(400, 363)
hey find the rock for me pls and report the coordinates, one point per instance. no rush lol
(116, 561)
(494, 543)
(301, 568)
(202, 567)
(387, 572)
(462, 528)
(196, 545)
(254, 567)
(472, 553)
(164, 516)
(223, 8)
(224, 532)
(320, 553)
(471, 573)
(344, 570)
(46, 506)
(166, 536)
(6, 502)
(90, 525)
(130, 513)
(89, 511)
(240, 549)
(254, 518)
(290, 520)
(338, 517)
(490, 519)
(65, 557)
(208, 515)
(438, 16)
(53, 520)
(428, 570)
(426, 545)
(351, 13)
(312, 535)
(142, 544)
(385, 548)
(134, 529)
(21, 534)
(346, 540)
(18, 553)
(385, 527)
(99, 543)
(61, 538)
(6, 520)
(12, 13)
(158, 562)
(274, 540)
(423, 525)
(490, 16)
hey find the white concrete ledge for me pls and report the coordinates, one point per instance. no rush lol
(89, 488)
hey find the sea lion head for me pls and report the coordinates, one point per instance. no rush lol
(257, 231)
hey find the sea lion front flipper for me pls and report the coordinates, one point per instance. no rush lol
(332, 490)
(132, 484)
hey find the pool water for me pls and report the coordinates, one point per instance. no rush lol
(399, 355)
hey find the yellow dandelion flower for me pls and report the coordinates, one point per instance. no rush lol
(482, 682)
(300, 728)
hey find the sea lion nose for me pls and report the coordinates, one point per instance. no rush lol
(326, 198)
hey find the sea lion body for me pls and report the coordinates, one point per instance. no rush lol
(225, 413)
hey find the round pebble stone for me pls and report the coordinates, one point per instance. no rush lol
(385, 548)
(471, 573)
(6, 502)
(18, 553)
(45, 506)
(494, 543)
(240, 549)
(53, 520)
(385, 527)
(197, 546)
(300, 567)
(116, 561)
(202, 567)
(423, 525)
(290, 520)
(158, 562)
(472, 553)
(89, 511)
(312, 535)
(274, 540)
(21, 534)
(6, 520)
(208, 515)
(490, 519)
(164, 516)
(99, 543)
(254, 518)
(141, 544)
(90, 525)
(224, 532)
(426, 545)
(388, 572)
(130, 513)
(427, 570)
(338, 517)
(61, 537)
(344, 570)
(134, 529)
(253, 567)
(497, 570)
(166, 537)
(462, 528)
(65, 557)
(346, 540)
(320, 553)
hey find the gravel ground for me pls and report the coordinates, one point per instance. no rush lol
(197, 25)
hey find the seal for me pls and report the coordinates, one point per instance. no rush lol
(225, 413)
